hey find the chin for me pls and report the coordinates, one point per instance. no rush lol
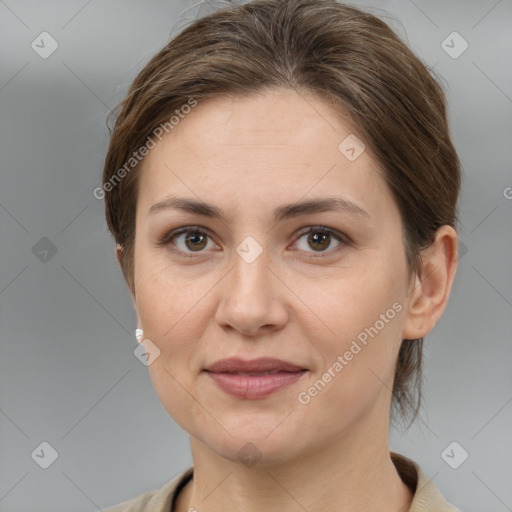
(262, 453)
(265, 440)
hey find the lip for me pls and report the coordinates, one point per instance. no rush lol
(232, 376)
(262, 364)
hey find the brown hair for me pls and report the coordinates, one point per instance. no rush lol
(350, 58)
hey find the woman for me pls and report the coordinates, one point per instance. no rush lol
(282, 188)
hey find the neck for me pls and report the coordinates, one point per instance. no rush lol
(352, 474)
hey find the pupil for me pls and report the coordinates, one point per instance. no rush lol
(194, 239)
(315, 238)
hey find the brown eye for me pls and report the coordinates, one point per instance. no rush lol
(195, 241)
(187, 240)
(319, 240)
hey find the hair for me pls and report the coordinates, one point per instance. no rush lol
(348, 57)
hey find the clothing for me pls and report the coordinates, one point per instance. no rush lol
(427, 497)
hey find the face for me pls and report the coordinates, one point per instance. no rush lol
(321, 288)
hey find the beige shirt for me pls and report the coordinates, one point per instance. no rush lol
(427, 497)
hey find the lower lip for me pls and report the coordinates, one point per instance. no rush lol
(254, 386)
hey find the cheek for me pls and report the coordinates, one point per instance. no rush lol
(170, 307)
(174, 310)
(167, 300)
(358, 352)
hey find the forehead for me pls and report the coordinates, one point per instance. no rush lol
(264, 148)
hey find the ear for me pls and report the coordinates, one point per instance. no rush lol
(428, 294)
(120, 256)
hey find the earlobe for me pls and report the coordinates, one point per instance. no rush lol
(429, 294)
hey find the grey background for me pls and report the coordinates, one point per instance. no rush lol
(68, 375)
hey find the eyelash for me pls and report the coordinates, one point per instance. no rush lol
(343, 239)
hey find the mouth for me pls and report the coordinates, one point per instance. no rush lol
(252, 373)
(254, 379)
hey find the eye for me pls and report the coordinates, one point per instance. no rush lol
(320, 238)
(194, 239)
(185, 240)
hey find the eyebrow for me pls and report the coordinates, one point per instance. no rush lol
(282, 212)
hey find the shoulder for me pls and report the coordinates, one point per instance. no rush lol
(427, 497)
(156, 500)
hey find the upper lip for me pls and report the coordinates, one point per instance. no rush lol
(262, 364)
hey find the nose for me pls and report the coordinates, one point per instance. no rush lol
(252, 297)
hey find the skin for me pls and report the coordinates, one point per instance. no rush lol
(248, 156)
